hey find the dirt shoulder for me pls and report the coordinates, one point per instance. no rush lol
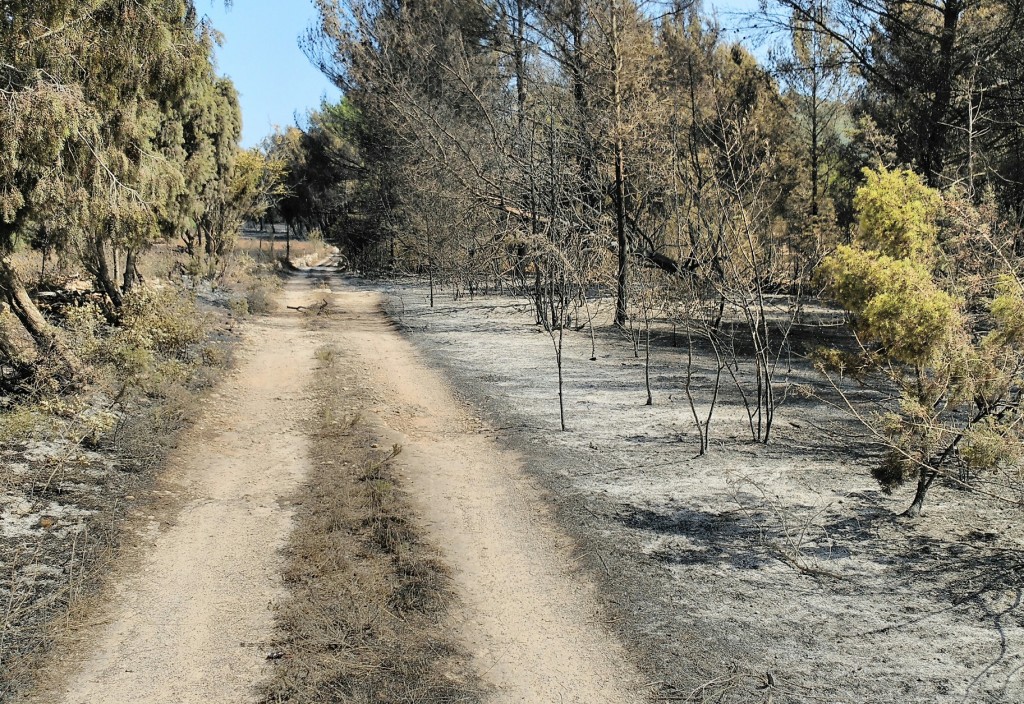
(79, 467)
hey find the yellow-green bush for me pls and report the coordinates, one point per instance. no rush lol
(152, 324)
(1007, 310)
(255, 284)
(896, 303)
(261, 295)
(897, 214)
(239, 306)
(914, 334)
(986, 446)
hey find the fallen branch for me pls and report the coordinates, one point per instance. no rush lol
(318, 310)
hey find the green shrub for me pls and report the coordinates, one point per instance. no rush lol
(166, 320)
(239, 306)
(895, 302)
(261, 295)
(897, 214)
(948, 369)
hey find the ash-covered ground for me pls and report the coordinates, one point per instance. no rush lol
(755, 573)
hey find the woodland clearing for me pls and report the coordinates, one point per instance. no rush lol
(765, 281)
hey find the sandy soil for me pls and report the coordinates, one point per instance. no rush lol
(192, 623)
(757, 573)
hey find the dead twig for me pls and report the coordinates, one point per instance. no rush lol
(312, 310)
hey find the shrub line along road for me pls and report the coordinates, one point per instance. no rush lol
(192, 619)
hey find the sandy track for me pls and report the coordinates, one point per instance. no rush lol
(528, 616)
(191, 625)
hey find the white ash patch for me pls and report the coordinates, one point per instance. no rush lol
(672, 544)
(18, 469)
(41, 451)
(90, 463)
(15, 504)
(70, 487)
(21, 517)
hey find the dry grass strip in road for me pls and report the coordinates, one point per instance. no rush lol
(365, 619)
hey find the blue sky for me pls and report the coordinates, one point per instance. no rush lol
(261, 54)
(275, 79)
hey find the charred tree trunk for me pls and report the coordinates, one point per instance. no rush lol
(622, 277)
(132, 277)
(12, 354)
(925, 480)
(46, 337)
(95, 260)
(519, 57)
(935, 148)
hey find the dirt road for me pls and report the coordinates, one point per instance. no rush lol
(529, 619)
(191, 624)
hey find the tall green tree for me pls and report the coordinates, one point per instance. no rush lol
(94, 121)
(211, 124)
(43, 116)
(941, 77)
(325, 170)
